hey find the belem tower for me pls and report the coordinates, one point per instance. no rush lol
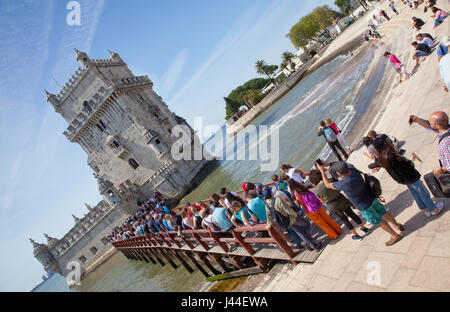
(125, 129)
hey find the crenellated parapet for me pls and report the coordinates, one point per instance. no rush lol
(124, 85)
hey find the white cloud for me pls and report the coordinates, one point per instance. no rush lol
(173, 73)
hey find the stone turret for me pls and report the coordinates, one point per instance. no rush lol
(42, 253)
(114, 56)
(89, 208)
(51, 241)
(53, 99)
(76, 219)
(83, 58)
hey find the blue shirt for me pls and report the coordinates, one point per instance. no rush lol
(166, 209)
(221, 219)
(166, 225)
(356, 189)
(258, 207)
(442, 50)
(239, 214)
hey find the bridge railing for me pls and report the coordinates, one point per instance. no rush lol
(208, 242)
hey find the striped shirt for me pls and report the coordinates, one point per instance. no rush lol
(443, 149)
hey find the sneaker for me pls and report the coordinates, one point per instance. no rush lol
(427, 213)
(376, 169)
(365, 230)
(356, 237)
(439, 206)
(392, 241)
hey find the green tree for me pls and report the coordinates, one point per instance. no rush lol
(236, 97)
(251, 97)
(231, 107)
(260, 67)
(263, 69)
(344, 5)
(312, 26)
(287, 58)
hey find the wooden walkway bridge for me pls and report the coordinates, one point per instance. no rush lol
(244, 249)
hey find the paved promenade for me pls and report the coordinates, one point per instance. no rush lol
(421, 261)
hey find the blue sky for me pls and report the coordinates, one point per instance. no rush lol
(195, 52)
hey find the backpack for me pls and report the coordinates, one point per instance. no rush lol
(279, 219)
(330, 135)
(312, 202)
(372, 183)
(402, 170)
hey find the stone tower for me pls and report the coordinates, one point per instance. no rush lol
(125, 129)
(42, 253)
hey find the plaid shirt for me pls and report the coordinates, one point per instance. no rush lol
(443, 149)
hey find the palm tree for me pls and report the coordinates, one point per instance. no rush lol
(287, 58)
(261, 67)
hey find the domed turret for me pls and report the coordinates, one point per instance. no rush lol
(83, 58)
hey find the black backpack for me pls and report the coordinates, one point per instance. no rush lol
(402, 170)
(372, 183)
(279, 219)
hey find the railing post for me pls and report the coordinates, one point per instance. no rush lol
(248, 248)
(281, 242)
(216, 238)
(199, 240)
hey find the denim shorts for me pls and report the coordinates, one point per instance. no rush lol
(374, 214)
(421, 53)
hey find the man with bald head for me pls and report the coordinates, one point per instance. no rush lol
(438, 123)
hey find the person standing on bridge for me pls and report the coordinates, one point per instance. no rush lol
(313, 208)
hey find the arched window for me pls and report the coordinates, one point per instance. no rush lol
(133, 163)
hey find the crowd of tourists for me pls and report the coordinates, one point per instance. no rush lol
(295, 199)
(328, 193)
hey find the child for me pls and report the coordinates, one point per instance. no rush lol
(339, 134)
(399, 67)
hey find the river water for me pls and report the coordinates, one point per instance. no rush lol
(337, 90)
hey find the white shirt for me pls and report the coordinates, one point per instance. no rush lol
(297, 177)
(444, 67)
(428, 42)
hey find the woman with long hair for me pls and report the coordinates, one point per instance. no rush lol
(403, 172)
(313, 209)
(438, 15)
